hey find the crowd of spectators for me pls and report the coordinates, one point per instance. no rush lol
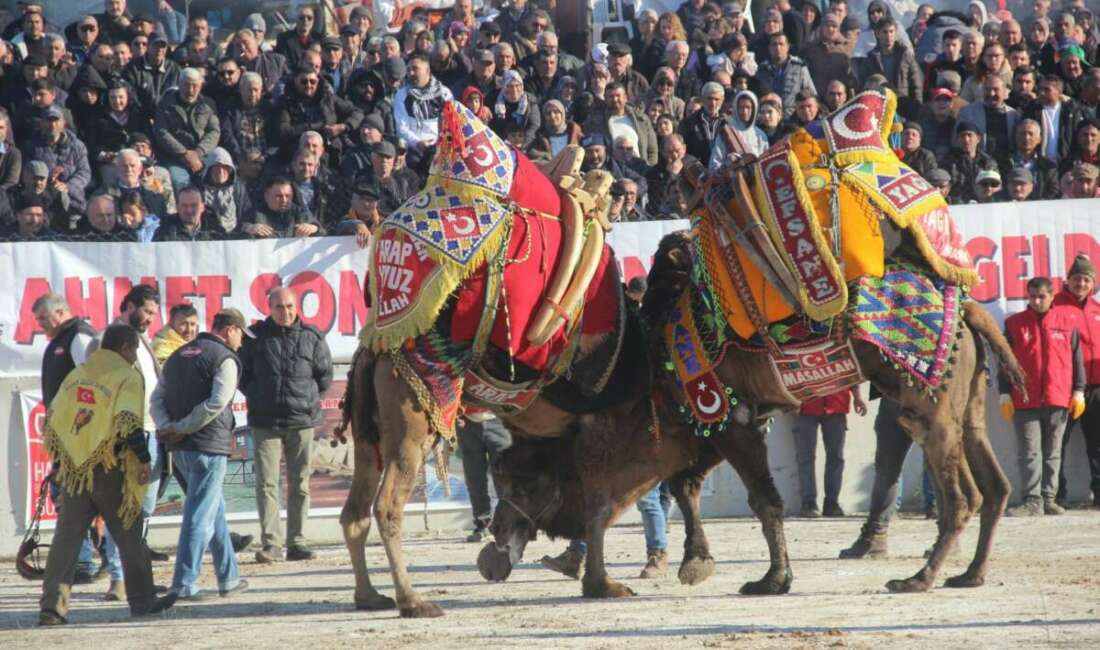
(150, 127)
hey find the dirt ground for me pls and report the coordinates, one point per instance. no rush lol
(1042, 592)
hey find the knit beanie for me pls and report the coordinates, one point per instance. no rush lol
(1082, 266)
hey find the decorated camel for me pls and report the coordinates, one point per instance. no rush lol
(493, 290)
(822, 263)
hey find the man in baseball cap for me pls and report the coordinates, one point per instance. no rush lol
(987, 186)
(1020, 184)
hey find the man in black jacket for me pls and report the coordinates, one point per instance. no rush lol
(286, 369)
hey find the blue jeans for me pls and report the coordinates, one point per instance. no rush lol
(654, 520)
(114, 563)
(203, 524)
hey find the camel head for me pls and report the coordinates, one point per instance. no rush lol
(538, 490)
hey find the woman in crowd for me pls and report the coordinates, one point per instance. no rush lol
(556, 131)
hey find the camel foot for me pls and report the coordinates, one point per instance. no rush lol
(423, 609)
(769, 585)
(374, 602)
(964, 581)
(494, 564)
(696, 570)
(909, 586)
(606, 588)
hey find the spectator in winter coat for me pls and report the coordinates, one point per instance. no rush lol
(743, 121)
(64, 154)
(994, 119)
(129, 171)
(894, 61)
(186, 129)
(617, 118)
(11, 158)
(224, 195)
(270, 66)
(152, 76)
(965, 161)
(555, 133)
(416, 110)
(190, 223)
(309, 104)
(784, 74)
(293, 43)
(826, 57)
(516, 108)
(246, 125)
(1058, 117)
(700, 129)
(278, 215)
(1028, 156)
(920, 159)
(35, 183)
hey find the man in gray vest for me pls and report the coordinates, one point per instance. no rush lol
(191, 407)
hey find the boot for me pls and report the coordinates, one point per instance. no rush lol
(809, 510)
(568, 563)
(869, 544)
(115, 592)
(656, 565)
(832, 509)
(1031, 507)
(1050, 507)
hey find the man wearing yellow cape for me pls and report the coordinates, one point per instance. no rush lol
(94, 435)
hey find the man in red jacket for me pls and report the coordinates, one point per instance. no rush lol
(1077, 292)
(1046, 340)
(831, 414)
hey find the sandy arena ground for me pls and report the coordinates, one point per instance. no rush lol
(1043, 591)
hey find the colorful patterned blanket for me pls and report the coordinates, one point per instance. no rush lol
(912, 317)
(481, 241)
(823, 195)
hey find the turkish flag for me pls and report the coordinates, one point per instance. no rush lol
(85, 395)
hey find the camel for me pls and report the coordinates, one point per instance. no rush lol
(541, 490)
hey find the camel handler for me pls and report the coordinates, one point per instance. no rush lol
(1077, 292)
(95, 437)
(1046, 341)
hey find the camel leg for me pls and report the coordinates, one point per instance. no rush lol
(355, 520)
(405, 437)
(745, 449)
(596, 583)
(687, 487)
(992, 482)
(943, 445)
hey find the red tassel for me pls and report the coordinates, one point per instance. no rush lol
(453, 143)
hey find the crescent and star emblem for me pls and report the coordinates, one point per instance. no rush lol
(840, 123)
(715, 404)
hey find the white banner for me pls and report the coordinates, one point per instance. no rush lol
(1010, 243)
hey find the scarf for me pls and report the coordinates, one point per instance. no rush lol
(99, 405)
(165, 343)
(501, 107)
(425, 104)
(222, 201)
(564, 123)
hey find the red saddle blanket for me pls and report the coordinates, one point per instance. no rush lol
(532, 256)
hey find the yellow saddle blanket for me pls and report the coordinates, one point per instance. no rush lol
(822, 196)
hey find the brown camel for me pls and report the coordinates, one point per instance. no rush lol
(544, 486)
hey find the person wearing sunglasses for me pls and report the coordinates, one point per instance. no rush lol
(293, 43)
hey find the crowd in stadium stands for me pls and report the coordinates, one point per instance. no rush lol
(151, 127)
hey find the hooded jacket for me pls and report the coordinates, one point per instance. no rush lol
(754, 138)
(226, 204)
(867, 40)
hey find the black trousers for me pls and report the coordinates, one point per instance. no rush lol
(1090, 428)
(480, 443)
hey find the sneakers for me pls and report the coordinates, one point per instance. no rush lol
(161, 604)
(1050, 507)
(269, 555)
(239, 588)
(47, 618)
(115, 592)
(480, 533)
(869, 544)
(832, 509)
(656, 565)
(240, 542)
(568, 563)
(809, 510)
(299, 552)
(1031, 507)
